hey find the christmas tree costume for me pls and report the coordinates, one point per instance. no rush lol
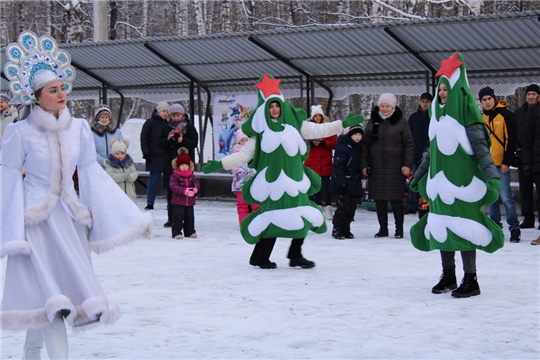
(456, 185)
(282, 184)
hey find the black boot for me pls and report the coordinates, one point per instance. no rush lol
(399, 217)
(302, 262)
(469, 287)
(447, 282)
(382, 216)
(338, 234)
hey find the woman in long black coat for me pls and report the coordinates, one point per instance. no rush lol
(387, 158)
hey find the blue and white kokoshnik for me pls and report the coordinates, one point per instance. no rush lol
(33, 62)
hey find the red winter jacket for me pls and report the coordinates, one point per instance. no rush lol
(320, 157)
(178, 184)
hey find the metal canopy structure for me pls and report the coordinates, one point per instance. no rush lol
(374, 55)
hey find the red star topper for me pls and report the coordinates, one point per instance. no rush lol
(268, 86)
(449, 66)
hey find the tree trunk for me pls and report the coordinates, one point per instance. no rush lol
(114, 19)
(198, 6)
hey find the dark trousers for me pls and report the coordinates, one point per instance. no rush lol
(263, 249)
(324, 193)
(169, 205)
(346, 208)
(183, 219)
(526, 186)
(468, 258)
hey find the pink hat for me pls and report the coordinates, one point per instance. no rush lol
(240, 135)
(387, 98)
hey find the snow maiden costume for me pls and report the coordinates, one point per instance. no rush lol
(47, 231)
(458, 179)
(282, 184)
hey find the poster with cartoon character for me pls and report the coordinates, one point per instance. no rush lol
(230, 111)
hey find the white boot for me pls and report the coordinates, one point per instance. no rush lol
(329, 212)
(33, 345)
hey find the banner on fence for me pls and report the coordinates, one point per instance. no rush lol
(230, 111)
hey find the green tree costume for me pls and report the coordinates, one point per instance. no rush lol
(455, 183)
(282, 184)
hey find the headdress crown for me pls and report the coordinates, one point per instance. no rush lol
(28, 57)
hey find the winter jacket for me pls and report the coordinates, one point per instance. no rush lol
(241, 175)
(7, 117)
(386, 148)
(190, 139)
(347, 172)
(150, 133)
(419, 124)
(124, 174)
(531, 140)
(501, 123)
(520, 115)
(320, 157)
(102, 137)
(180, 181)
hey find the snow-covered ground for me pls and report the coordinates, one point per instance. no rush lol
(367, 298)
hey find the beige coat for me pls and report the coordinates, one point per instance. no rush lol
(127, 185)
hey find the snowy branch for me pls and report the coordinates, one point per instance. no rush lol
(404, 14)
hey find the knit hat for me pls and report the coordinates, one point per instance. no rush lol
(387, 98)
(427, 96)
(162, 106)
(176, 108)
(533, 87)
(355, 130)
(183, 157)
(240, 135)
(102, 109)
(119, 145)
(487, 91)
(4, 98)
(316, 109)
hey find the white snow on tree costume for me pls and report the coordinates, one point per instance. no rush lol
(455, 183)
(47, 229)
(282, 184)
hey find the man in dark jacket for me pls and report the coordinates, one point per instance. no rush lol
(419, 124)
(152, 153)
(531, 149)
(501, 125)
(526, 184)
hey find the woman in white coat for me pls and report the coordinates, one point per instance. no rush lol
(47, 231)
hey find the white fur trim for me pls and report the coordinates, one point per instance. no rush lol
(57, 303)
(38, 318)
(142, 230)
(22, 320)
(14, 248)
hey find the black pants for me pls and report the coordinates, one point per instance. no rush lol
(324, 194)
(183, 218)
(526, 187)
(346, 207)
(468, 257)
(263, 249)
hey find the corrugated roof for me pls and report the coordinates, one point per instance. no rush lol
(506, 44)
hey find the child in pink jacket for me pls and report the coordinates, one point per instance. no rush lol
(184, 186)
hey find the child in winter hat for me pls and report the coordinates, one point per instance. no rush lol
(184, 185)
(241, 175)
(102, 110)
(119, 165)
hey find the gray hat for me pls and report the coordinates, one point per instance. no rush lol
(161, 106)
(4, 97)
(176, 108)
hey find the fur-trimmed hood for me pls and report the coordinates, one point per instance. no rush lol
(395, 117)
